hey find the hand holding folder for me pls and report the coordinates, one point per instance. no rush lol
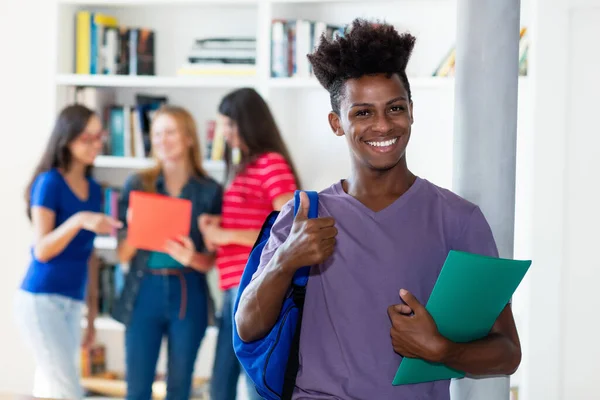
(154, 219)
(468, 297)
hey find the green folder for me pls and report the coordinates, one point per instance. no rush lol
(468, 297)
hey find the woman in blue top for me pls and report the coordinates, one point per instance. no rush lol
(64, 205)
(166, 293)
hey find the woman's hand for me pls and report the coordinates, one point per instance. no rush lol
(99, 223)
(206, 220)
(89, 337)
(182, 251)
(216, 236)
(209, 226)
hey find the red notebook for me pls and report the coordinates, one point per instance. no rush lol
(155, 218)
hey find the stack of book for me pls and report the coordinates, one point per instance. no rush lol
(102, 47)
(221, 56)
(292, 40)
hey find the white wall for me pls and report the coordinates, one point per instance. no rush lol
(581, 266)
(561, 349)
(25, 115)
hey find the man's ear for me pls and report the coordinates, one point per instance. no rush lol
(412, 118)
(335, 124)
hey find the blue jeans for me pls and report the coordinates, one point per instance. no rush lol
(227, 368)
(51, 325)
(159, 312)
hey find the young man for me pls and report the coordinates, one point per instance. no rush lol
(378, 247)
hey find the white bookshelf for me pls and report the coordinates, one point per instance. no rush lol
(166, 82)
(105, 243)
(300, 105)
(141, 163)
(123, 162)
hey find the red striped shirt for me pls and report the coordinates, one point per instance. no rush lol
(246, 204)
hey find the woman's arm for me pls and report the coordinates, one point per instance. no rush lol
(92, 299)
(203, 262)
(48, 240)
(125, 251)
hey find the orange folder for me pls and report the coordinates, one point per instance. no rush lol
(155, 218)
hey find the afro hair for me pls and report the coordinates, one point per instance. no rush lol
(365, 48)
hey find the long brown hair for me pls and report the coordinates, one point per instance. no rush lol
(256, 127)
(70, 123)
(185, 123)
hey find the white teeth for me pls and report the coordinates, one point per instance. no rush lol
(384, 143)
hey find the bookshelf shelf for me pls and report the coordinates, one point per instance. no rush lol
(123, 162)
(165, 82)
(141, 163)
(105, 243)
(290, 83)
(415, 82)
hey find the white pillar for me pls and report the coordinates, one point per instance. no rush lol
(487, 52)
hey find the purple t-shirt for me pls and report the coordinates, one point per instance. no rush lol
(345, 346)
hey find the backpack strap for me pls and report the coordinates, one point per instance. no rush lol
(298, 291)
(301, 275)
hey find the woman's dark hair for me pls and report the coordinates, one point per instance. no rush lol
(71, 122)
(256, 127)
(366, 48)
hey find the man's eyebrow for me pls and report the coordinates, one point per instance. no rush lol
(370, 104)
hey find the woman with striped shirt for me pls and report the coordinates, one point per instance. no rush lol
(263, 180)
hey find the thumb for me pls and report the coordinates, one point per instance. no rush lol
(410, 300)
(304, 205)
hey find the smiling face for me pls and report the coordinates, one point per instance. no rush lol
(376, 118)
(88, 144)
(169, 141)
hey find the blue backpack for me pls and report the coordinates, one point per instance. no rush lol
(272, 362)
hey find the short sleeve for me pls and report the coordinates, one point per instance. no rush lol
(477, 237)
(276, 176)
(279, 233)
(96, 198)
(45, 191)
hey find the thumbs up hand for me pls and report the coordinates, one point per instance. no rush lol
(311, 241)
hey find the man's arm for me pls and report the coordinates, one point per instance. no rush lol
(261, 302)
(310, 242)
(499, 353)
(415, 335)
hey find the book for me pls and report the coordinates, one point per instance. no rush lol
(469, 295)
(154, 219)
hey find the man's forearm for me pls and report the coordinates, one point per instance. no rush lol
(261, 301)
(496, 354)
